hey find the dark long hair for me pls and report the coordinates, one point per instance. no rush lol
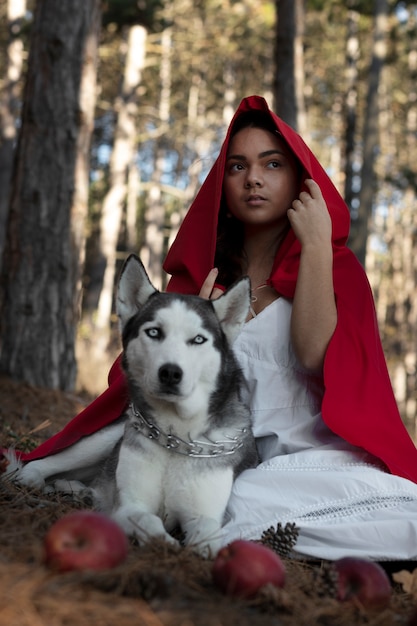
(230, 255)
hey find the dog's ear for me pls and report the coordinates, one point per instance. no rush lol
(232, 307)
(133, 290)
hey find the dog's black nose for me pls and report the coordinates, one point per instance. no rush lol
(170, 374)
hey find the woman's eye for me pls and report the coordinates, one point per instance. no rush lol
(153, 333)
(198, 340)
(236, 167)
(274, 164)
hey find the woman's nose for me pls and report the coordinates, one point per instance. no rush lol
(253, 179)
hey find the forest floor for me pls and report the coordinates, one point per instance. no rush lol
(157, 585)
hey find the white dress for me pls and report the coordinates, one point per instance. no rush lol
(338, 495)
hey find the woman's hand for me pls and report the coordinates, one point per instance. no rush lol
(208, 290)
(310, 218)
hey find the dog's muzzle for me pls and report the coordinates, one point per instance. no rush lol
(170, 377)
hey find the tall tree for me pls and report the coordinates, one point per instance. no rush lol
(154, 219)
(38, 314)
(87, 107)
(370, 136)
(123, 155)
(351, 101)
(9, 107)
(288, 55)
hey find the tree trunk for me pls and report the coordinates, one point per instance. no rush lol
(41, 270)
(289, 71)
(152, 251)
(360, 226)
(9, 109)
(351, 100)
(115, 200)
(87, 105)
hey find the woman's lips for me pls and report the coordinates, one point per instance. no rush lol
(255, 200)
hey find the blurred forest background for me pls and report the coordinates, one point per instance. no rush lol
(111, 114)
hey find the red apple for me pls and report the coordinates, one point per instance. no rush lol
(243, 567)
(363, 581)
(84, 540)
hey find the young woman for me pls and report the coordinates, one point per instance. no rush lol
(336, 459)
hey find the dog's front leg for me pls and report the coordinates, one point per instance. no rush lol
(203, 510)
(203, 534)
(73, 461)
(140, 492)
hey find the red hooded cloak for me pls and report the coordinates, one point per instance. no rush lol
(358, 403)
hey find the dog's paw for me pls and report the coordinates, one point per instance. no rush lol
(27, 475)
(73, 489)
(141, 525)
(10, 464)
(31, 477)
(204, 535)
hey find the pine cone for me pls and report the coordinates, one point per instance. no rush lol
(281, 539)
(325, 580)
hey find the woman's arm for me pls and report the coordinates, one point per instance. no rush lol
(314, 314)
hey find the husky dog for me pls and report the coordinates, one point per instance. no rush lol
(171, 459)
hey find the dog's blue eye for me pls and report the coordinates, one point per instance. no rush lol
(198, 339)
(154, 333)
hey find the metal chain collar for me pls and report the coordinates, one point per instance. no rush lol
(193, 447)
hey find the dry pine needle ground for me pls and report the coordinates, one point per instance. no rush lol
(157, 585)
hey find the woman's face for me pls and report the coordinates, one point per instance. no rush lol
(261, 178)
